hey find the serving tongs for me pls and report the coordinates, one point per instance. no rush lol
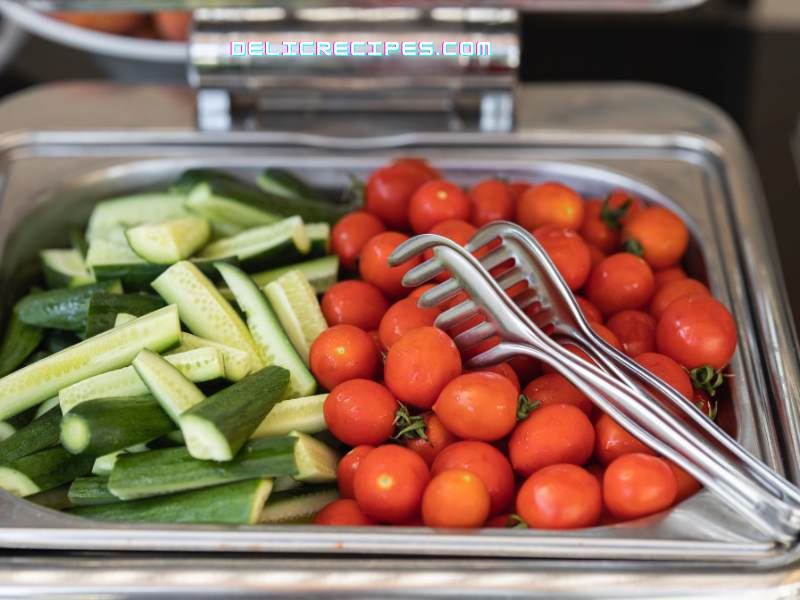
(638, 412)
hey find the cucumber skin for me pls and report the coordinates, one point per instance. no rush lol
(311, 209)
(41, 433)
(19, 341)
(276, 423)
(116, 423)
(237, 410)
(174, 470)
(138, 277)
(166, 383)
(90, 491)
(298, 504)
(53, 467)
(233, 504)
(64, 308)
(103, 309)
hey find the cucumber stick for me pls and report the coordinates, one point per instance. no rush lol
(202, 364)
(297, 505)
(19, 341)
(299, 414)
(46, 406)
(65, 268)
(174, 470)
(65, 308)
(138, 276)
(316, 461)
(103, 309)
(273, 344)
(129, 211)
(237, 362)
(170, 241)
(226, 213)
(41, 433)
(105, 463)
(6, 430)
(105, 253)
(113, 349)
(174, 392)
(203, 309)
(297, 307)
(104, 425)
(237, 503)
(321, 274)
(42, 471)
(123, 318)
(219, 426)
(90, 491)
(319, 234)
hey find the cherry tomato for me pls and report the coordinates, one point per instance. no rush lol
(343, 352)
(569, 253)
(455, 498)
(478, 406)
(374, 265)
(420, 164)
(506, 371)
(554, 388)
(667, 370)
(561, 496)
(621, 282)
(417, 293)
(696, 331)
(670, 292)
(403, 316)
(635, 330)
(485, 461)
(437, 201)
(686, 484)
(453, 229)
(612, 441)
(343, 513)
(637, 485)
(517, 188)
(501, 521)
(437, 438)
(420, 364)
(559, 433)
(389, 484)
(604, 219)
(526, 368)
(492, 200)
(550, 204)
(376, 339)
(608, 336)
(347, 467)
(354, 302)
(389, 190)
(589, 310)
(659, 233)
(596, 256)
(173, 25)
(360, 412)
(351, 233)
(664, 276)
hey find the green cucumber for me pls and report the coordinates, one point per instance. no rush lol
(203, 309)
(39, 434)
(226, 213)
(264, 247)
(289, 195)
(219, 426)
(237, 362)
(46, 406)
(286, 184)
(104, 464)
(294, 301)
(6, 430)
(299, 414)
(138, 277)
(64, 268)
(174, 392)
(129, 211)
(19, 342)
(123, 318)
(297, 505)
(105, 253)
(42, 471)
(77, 239)
(104, 425)
(281, 484)
(237, 503)
(90, 491)
(321, 273)
(174, 470)
(202, 364)
(56, 498)
(104, 308)
(57, 340)
(111, 350)
(316, 461)
(64, 308)
(320, 236)
(273, 344)
(169, 241)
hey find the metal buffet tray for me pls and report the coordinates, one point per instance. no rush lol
(66, 146)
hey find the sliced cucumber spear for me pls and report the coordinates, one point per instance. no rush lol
(45, 407)
(237, 362)
(6, 430)
(19, 341)
(41, 433)
(320, 236)
(274, 347)
(42, 471)
(123, 318)
(316, 462)
(104, 464)
(297, 505)
(65, 308)
(174, 392)
(170, 241)
(299, 414)
(104, 308)
(321, 273)
(226, 213)
(128, 211)
(65, 268)
(219, 426)
(90, 491)
(104, 254)
(113, 349)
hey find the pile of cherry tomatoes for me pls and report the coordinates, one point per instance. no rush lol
(517, 444)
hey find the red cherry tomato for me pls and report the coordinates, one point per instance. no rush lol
(526, 368)
(696, 331)
(354, 302)
(360, 412)
(612, 441)
(635, 330)
(420, 364)
(478, 406)
(492, 200)
(389, 190)
(664, 276)
(350, 235)
(374, 264)
(437, 201)
(670, 292)
(389, 484)
(607, 335)
(419, 164)
(343, 352)
(506, 371)
(403, 316)
(485, 461)
(343, 513)
(660, 234)
(554, 388)
(668, 370)
(686, 484)
(455, 498)
(437, 438)
(550, 204)
(589, 310)
(596, 256)
(621, 282)
(417, 293)
(569, 253)
(604, 219)
(347, 467)
(561, 496)
(559, 433)
(637, 485)
(517, 188)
